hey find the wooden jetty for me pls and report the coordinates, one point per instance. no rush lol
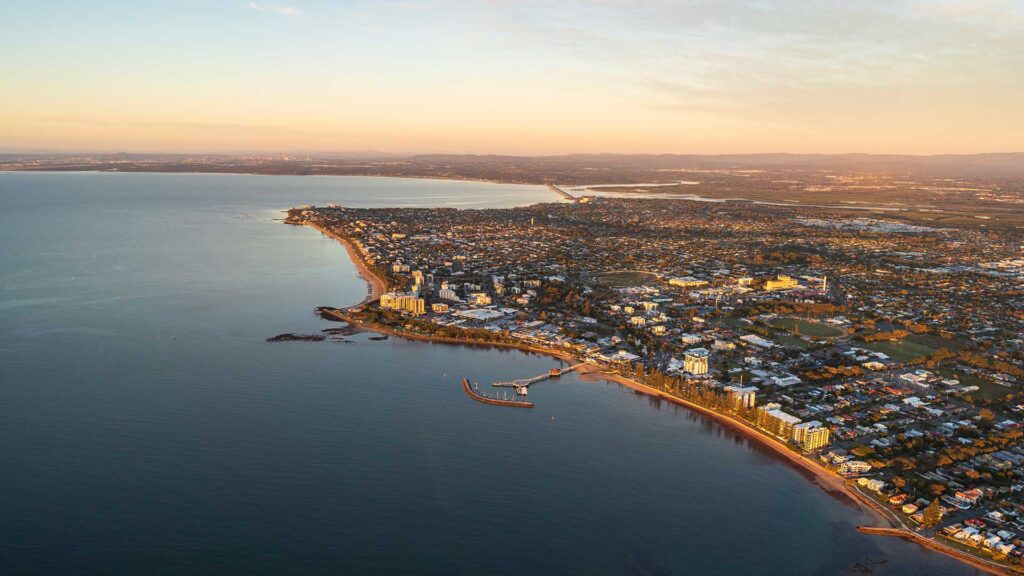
(523, 384)
(476, 395)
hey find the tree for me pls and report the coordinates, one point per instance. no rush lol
(863, 450)
(639, 374)
(932, 513)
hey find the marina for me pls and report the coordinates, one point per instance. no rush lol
(473, 391)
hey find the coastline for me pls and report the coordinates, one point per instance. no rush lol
(622, 194)
(240, 173)
(819, 475)
(812, 471)
(376, 286)
(809, 468)
(341, 317)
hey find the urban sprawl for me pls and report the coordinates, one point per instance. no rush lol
(889, 353)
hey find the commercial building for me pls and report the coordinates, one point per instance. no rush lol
(403, 302)
(780, 283)
(755, 340)
(447, 293)
(618, 357)
(687, 282)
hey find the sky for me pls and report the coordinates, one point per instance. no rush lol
(513, 76)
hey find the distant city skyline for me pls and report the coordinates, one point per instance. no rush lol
(451, 76)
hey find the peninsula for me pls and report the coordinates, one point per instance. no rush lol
(877, 356)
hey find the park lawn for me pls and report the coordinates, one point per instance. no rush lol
(790, 340)
(806, 327)
(987, 389)
(936, 342)
(902, 350)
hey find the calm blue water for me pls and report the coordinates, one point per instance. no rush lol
(147, 428)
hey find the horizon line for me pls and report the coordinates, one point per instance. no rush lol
(382, 153)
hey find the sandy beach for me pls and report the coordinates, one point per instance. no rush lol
(833, 484)
(817, 473)
(377, 285)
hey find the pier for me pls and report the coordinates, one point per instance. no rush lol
(522, 385)
(473, 392)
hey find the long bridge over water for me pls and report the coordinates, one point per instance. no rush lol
(562, 193)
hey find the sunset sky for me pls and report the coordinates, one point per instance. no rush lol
(520, 77)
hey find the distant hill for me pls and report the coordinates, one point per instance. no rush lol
(1006, 165)
(571, 169)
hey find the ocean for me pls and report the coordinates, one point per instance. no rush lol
(147, 427)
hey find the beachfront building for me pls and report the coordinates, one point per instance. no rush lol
(741, 397)
(618, 357)
(404, 303)
(811, 436)
(854, 468)
(695, 361)
(773, 420)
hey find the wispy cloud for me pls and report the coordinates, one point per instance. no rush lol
(282, 9)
